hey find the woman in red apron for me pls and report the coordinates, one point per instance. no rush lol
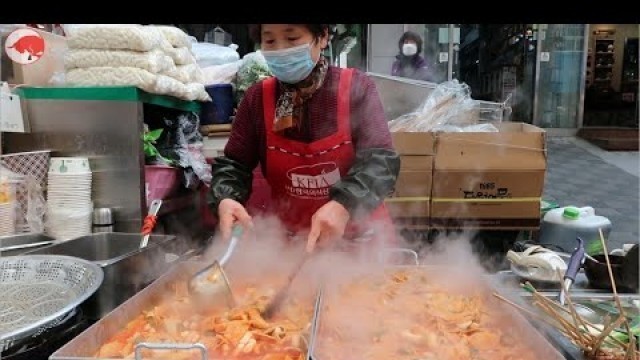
(320, 137)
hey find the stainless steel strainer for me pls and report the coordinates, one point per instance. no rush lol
(37, 292)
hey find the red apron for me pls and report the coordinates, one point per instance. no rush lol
(300, 174)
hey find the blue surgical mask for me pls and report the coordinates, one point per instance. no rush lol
(290, 65)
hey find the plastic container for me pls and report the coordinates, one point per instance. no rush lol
(562, 225)
(220, 109)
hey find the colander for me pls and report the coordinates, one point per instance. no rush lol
(37, 292)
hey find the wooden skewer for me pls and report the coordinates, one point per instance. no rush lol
(550, 306)
(613, 283)
(523, 309)
(543, 299)
(531, 313)
(569, 328)
(631, 353)
(605, 333)
(573, 310)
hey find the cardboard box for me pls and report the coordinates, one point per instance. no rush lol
(414, 143)
(412, 196)
(489, 180)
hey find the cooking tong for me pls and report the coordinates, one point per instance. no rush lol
(277, 301)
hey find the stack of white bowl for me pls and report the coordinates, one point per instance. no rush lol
(69, 205)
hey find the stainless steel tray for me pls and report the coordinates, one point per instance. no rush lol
(546, 350)
(85, 345)
(21, 243)
(127, 268)
(38, 291)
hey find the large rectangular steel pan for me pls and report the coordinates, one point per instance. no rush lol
(85, 345)
(536, 339)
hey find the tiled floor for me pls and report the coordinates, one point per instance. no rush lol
(581, 174)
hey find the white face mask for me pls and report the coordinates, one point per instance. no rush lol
(409, 49)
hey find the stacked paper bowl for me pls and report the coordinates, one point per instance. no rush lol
(69, 205)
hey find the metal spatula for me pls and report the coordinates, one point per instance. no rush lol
(211, 282)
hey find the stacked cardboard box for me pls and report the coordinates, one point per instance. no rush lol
(471, 180)
(411, 201)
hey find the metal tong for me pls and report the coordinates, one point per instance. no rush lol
(211, 281)
(277, 301)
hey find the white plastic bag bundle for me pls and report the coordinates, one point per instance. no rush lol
(197, 91)
(128, 76)
(186, 73)
(112, 76)
(221, 74)
(207, 54)
(175, 36)
(154, 61)
(112, 37)
(180, 55)
(169, 86)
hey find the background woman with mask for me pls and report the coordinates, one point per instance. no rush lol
(409, 62)
(320, 136)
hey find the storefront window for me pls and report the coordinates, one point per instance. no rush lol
(561, 64)
(435, 48)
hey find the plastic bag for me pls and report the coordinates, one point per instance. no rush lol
(207, 54)
(154, 61)
(181, 55)
(175, 36)
(197, 91)
(253, 69)
(450, 104)
(128, 76)
(114, 76)
(112, 37)
(22, 203)
(184, 143)
(186, 73)
(221, 74)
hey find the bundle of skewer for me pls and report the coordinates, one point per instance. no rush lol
(595, 341)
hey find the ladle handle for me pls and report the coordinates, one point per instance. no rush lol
(236, 233)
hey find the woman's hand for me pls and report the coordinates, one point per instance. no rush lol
(230, 212)
(327, 224)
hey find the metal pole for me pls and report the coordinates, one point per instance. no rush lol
(583, 77)
(450, 63)
(536, 87)
(368, 62)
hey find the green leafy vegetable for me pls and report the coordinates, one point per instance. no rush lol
(149, 140)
